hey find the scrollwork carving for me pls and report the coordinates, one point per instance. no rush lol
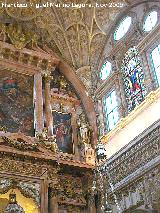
(19, 143)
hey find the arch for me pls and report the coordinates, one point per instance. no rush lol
(120, 16)
(87, 102)
(70, 75)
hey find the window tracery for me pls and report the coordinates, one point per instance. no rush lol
(105, 70)
(150, 21)
(131, 83)
(122, 28)
(133, 78)
(111, 110)
(155, 56)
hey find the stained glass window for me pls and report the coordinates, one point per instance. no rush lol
(105, 70)
(111, 110)
(133, 77)
(155, 55)
(122, 28)
(150, 21)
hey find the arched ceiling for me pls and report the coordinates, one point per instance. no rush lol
(75, 34)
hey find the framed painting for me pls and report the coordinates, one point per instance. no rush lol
(16, 102)
(63, 130)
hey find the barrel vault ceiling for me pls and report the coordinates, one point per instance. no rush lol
(75, 34)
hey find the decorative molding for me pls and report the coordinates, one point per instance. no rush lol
(136, 156)
(69, 190)
(142, 193)
(19, 143)
(29, 61)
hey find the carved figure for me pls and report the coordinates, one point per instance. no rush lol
(53, 144)
(49, 142)
(42, 135)
(62, 83)
(13, 207)
(85, 131)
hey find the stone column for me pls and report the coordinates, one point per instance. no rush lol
(53, 204)
(48, 107)
(38, 101)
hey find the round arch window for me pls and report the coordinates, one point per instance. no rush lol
(122, 28)
(105, 70)
(150, 21)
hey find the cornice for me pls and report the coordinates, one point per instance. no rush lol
(9, 147)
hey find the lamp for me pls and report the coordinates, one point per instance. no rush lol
(101, 177)
(101, 152)
(107, 208)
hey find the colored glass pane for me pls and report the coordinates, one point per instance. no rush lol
(133, 77)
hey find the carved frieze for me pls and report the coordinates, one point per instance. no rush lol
(143, 191)
(138, 155)
(18, 144)
(69, 190)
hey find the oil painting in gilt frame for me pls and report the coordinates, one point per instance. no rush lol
(16, 102)
(63, 130)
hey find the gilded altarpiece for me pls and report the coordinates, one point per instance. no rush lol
(31, 164)
(70, 125)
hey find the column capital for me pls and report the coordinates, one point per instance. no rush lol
(47, 74)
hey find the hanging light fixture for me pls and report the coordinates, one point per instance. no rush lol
(101, 177)
(107, 209)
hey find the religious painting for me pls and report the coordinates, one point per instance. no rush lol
(63, 131)
(14, 201)
(16, 102)
(133, 77)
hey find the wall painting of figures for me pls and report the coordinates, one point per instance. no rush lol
(63, 131)
(16, 102)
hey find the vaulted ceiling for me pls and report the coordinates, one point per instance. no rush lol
(75, 34)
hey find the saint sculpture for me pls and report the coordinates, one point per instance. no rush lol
(13, 206)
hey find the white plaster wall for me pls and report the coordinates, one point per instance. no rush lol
(142, 121)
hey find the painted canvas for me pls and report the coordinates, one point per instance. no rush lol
(16, 102)
(63, 131)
